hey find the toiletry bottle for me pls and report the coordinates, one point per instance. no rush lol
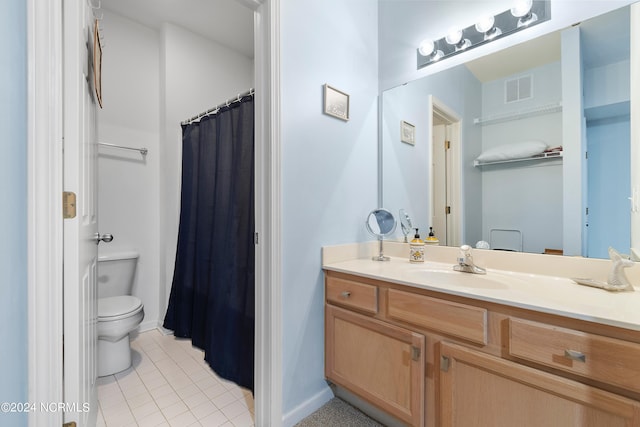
(432, 239)
(416, 249)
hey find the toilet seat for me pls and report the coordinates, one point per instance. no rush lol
(115, 308)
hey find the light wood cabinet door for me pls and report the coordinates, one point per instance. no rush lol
(477, 389)
(381, 363)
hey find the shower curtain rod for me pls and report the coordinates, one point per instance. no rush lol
(215, 109)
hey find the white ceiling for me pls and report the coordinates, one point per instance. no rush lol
(226, 22)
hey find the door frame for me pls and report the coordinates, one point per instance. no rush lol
(44, 210)
(454, 123)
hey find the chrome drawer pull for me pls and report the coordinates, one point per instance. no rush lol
(575, 355)
(345, 294)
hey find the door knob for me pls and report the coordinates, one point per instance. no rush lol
(103, 237)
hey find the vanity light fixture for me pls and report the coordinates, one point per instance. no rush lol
(524, 14)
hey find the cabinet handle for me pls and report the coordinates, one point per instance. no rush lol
(444, 363)
(575, 355)
(345, 294)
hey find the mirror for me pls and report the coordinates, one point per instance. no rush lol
(552, 202)
(381, 223)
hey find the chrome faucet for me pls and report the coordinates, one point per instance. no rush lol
(465, 262)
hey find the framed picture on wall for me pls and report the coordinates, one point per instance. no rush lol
(336, 103)
(407, 132)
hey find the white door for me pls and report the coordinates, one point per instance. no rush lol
(439, 193)
(80, 248)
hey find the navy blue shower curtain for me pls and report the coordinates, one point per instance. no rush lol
(212, 294)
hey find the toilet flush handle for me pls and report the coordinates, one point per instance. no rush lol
(103, 237)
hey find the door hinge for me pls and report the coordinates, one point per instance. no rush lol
(68, 204)
(444, 363)
(447, 145)
(256, 238)
(415, 353)
(69, 424)
(447, 210)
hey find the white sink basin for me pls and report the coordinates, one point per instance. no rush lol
(490, 280)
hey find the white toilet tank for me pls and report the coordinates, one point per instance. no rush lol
(116, 273)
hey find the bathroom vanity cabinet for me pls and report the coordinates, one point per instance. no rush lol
(435, 359)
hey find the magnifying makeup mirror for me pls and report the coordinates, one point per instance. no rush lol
(380, 223)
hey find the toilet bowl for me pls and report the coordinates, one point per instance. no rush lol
(119, 313)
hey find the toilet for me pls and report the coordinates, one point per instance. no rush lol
(118, 311)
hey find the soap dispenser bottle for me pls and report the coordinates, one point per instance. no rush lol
(416, 249)
(432, 239)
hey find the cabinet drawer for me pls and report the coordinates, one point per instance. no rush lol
(352, 294)
(458, 320)
(609, 360)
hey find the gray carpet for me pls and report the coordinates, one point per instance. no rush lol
(338, 413)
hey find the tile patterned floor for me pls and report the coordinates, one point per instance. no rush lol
(170, 384)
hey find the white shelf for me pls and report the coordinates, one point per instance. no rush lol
(520, 114)
(544, 156)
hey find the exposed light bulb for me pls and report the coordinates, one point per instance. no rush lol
(521, 8)
(454, 36)
(485, 24)
(426, 47)
(429, 49)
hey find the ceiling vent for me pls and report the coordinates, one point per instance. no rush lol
(518, 89)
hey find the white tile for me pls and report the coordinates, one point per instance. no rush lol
(188, 390)
(234, 409)
(175, 409)
(214, 420)
(155, 419)
(161, 391)
(134, 390)
(121, 417)
(223, 400)
(167, 400)
(243, 420)
(182, 420)
(145, 410)
(139, 400)
(204, 409)
(215, 391)
(154, 381)
(195, 399)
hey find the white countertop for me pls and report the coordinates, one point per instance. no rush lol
(547, 294)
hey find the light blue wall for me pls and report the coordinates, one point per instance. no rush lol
(13, 220)
(329, 168)
(404, 167)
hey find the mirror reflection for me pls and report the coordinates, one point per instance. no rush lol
(527, 149)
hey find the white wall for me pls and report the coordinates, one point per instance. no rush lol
(128, 187)
(329, 171)
(13, 209)
(404, 167)
(151, 82)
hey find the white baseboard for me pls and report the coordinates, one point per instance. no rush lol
(307, 407)
(148, 326)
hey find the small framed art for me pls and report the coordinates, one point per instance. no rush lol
(336, 103)
(407, 133)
